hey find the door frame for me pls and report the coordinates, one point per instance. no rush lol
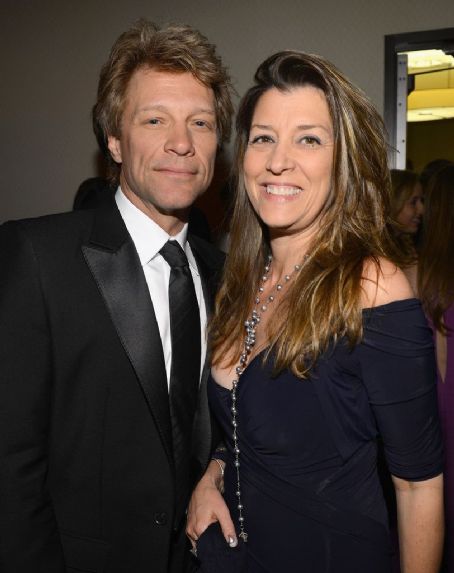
(394, 43)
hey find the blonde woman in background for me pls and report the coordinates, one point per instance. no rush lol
(407, 209)
(407, 200)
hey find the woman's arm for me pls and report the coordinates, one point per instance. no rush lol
(420, 522)
(401, 388)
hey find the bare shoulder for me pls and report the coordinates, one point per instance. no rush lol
(411, 273)
(383, 282)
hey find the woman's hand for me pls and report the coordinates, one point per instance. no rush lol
(208, 506)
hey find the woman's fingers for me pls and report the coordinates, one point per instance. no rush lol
(206, 507)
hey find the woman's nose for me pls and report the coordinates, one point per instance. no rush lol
(280, 159)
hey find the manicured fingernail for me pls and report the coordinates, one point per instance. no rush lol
(232, 542)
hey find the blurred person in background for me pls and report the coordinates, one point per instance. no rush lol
(93, 192)
(407, 200)
(436, 291)
(407, 209)
(431, 168)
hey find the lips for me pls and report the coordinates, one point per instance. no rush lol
(283, 190)
(176, 170)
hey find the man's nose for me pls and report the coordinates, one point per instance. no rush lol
(179, 140)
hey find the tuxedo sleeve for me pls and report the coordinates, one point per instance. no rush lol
(29, 538)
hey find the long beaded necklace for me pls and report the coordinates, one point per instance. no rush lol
(249, 342)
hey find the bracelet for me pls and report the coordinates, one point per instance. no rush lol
(220, 466)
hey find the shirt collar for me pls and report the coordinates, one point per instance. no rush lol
(148, 236)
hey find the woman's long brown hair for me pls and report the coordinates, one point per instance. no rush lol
(436, 260)
(324, 300)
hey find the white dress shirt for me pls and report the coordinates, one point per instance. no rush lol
(149, 238)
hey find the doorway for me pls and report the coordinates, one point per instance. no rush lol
(419, 97)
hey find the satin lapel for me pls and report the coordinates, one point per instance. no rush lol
(209, 263)
(116, 268)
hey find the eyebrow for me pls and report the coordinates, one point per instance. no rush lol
(300, 127)
(163, 108)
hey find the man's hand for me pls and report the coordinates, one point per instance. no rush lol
(208, 506)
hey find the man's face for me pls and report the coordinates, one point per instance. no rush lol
(167, 145)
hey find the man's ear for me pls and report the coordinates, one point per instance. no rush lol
(115, 148)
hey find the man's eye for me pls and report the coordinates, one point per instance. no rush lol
(261, 139)
(154, 121)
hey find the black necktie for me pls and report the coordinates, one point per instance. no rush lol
(185, 369)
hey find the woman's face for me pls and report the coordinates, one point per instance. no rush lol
(289, 159)
(410, 215)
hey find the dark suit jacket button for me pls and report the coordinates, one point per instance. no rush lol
(160, 518)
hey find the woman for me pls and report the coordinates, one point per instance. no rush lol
(436, 290)
(407, 209)
(407, 201)
(336, 350)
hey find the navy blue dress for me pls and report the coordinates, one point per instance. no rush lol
(310, 488)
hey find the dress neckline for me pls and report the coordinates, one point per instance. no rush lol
(250, 362)
(394, 305)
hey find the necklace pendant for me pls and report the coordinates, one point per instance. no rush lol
(243, 536)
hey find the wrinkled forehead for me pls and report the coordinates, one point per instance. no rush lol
(298, 108)
(173, 92)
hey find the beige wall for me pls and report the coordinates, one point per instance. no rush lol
(429, 140)
(51, 53)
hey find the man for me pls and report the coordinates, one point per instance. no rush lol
(104, 424)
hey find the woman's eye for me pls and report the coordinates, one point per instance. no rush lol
(154, 121)
(310, 141)
(261, 139)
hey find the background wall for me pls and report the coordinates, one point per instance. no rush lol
(51, 53)
(427, 140)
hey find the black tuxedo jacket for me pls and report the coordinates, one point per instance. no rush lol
(86, 471)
